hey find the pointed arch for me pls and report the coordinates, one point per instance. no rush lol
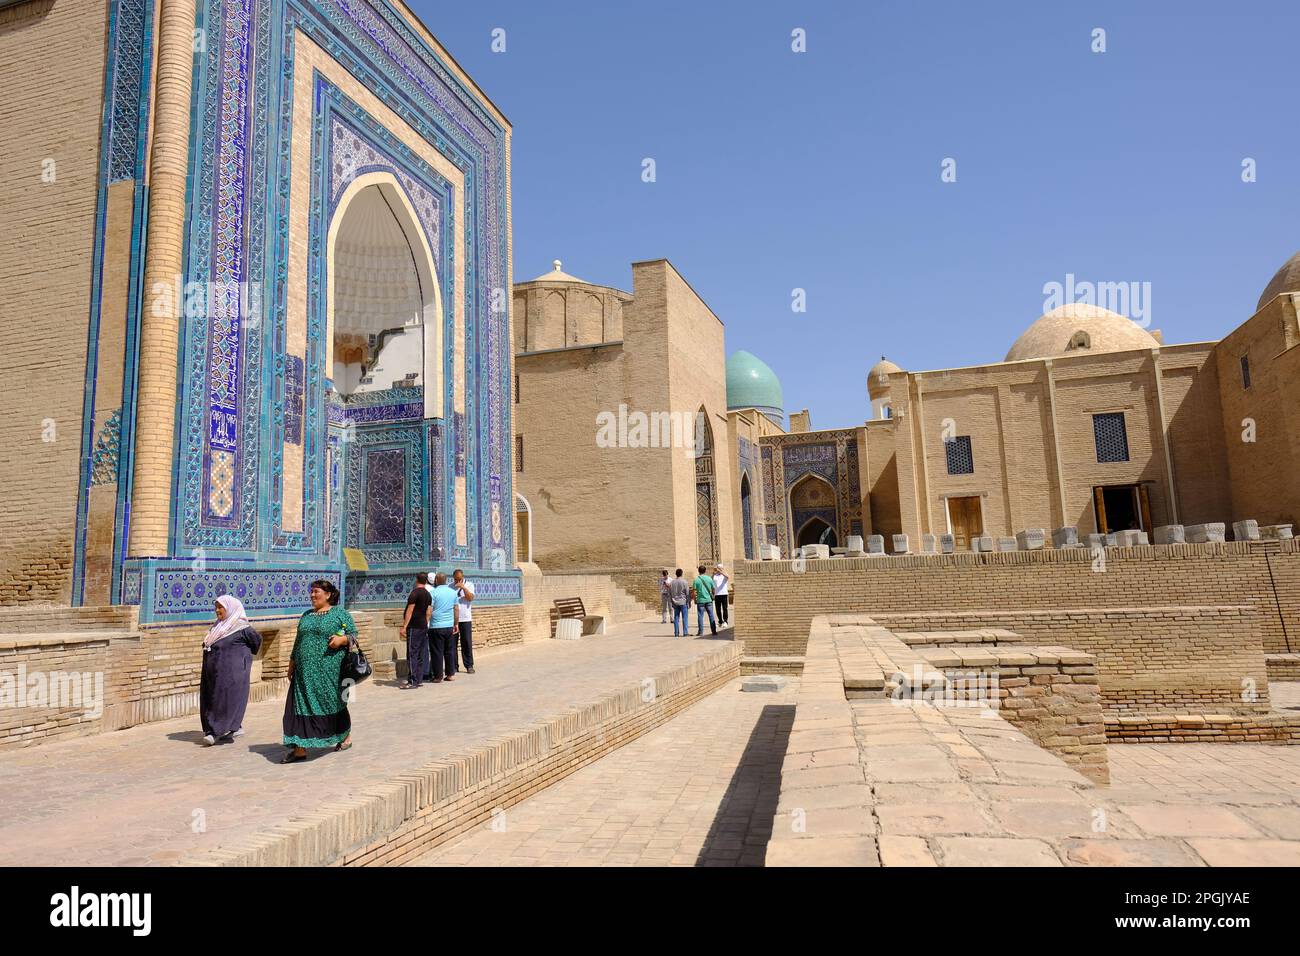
(706, 496)
(384, 186)
(523, 529)
(746, 516)
(812, 497)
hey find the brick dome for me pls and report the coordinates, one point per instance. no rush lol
(1077, 327)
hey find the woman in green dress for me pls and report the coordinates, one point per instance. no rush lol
(315, 713)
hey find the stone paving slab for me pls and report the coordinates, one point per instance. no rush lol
(153, 795)
(697, 791)
(961, 786)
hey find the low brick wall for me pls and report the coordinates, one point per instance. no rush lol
(398, 821)
(152, 673)
(1185, 659)
(50, 618)
(780, 605)
(1051, 694)
(1283, 666)
(1203, 728)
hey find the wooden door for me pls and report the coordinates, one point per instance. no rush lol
(967, 523)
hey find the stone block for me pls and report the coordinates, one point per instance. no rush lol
(853, 544)
(947, 543)
(1095, 541)
(1171, 534)
(1247, 530)
(927, 544)
(981, 543)
(1276, 531)
(1031, 539)
(1065, 537)
(568, 629)
(816, 551)
(900, 544)
(875, 544)
(1205, 533)
(1008, 544)
(763, 683)
(1131, 538)
(1112, 540)
(769, 552)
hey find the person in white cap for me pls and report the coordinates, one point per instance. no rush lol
(721, 592)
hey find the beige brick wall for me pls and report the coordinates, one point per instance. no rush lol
(1184, 659)
(778, 605)
(595, 507)
(1019, 414)
(51, 72)
(1265, 482)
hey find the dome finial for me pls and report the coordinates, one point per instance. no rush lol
(556, 263)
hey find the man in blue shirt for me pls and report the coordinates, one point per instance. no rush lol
(442, 623)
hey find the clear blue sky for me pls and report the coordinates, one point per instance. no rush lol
(821, 170)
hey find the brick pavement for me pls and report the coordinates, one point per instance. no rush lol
(152, 795)
(699, 790)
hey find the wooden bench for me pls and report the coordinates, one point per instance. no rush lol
(574, 608)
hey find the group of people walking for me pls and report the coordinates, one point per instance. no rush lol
(705, 591)
(437, 623)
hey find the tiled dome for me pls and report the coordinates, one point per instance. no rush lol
(751, 384)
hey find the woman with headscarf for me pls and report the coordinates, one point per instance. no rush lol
(227, 662)
(315, 711)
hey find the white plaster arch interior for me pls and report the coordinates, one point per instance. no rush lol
(375, 210)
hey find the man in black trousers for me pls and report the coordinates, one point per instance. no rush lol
(415, 629)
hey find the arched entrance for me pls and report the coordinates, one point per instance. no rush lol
(746, 517)
(523, 529)
(384, 302)
(813, 515)
(706, 499)
(816, 531)
(384, 361)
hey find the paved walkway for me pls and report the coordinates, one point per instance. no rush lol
(152, 794)
(1284, 695)
(697, 791)
(1250, 771)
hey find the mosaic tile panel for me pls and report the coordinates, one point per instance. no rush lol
(385, 501)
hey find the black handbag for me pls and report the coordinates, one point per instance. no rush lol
(355, 667)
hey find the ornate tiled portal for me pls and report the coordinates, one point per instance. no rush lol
(301, 106)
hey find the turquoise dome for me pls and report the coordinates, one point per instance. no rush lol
(751, 384)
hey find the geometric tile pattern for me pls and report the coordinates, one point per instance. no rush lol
(1111, 437)
(103, 465)
(960, 460)
(385, 499)
(242, 397)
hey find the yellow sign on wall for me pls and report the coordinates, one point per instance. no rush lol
(356, 559)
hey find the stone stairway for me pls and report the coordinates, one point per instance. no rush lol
(626, 607)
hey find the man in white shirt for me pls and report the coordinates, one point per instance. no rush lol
(721, 592)
(465, 618)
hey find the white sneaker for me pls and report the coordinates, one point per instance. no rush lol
(237, 733)
(209, 739)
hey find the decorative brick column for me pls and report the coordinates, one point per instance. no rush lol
(160, 314)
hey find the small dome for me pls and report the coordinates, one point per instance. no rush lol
(751, 384)
(878, 378)
(558, 275)
(1286, 279)
(1077, 327)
